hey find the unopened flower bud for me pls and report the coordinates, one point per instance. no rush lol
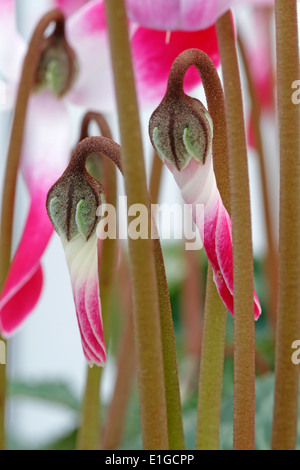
(181, 129)
(57, 68)
(72, 204)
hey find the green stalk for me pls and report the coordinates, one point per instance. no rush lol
(174, 413)
(144, 284)
(284, 433)
(173, 402)
(211, 369)
(28, 77)
(244, 343)
(272, 257)
(89, 431)
(116, 413)
(192, 296)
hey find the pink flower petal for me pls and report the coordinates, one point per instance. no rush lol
(198, 187)
(177, 15)
(153, 57)
(45, 155)
(12, 45)
(87, 33)
(47, 142)
(24, 282)
(69, 6)
(82, 260)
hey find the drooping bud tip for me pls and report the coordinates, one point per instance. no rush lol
(181, 129)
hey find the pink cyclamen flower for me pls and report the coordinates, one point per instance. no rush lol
(181, 131)
(47, 139)
(185, 15)
(72, 205)
(175, 15)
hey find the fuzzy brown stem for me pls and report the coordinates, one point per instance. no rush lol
(216, 108)
(89, 432)
(146, 308)
(29, 71)
(284, 433)
(244, 354)
(272, 257)
(211, 370)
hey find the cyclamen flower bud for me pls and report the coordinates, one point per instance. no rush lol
(181, 132)
(72, 204)
(181, 129)
(57, 68)
(72, 207)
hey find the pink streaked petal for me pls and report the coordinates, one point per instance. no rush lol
(224, 253)
(153, 57)
(161, 14)
(90, 357)
(24, 282)
(177, 15)
(45, 155)
(82, 260)
(198, 187)
(224, 245)
(12, 45)
(69, 6)
(47, 142)
(210, 244)
(16, 309)
(87, 33)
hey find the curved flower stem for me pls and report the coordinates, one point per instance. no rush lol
(244, 343)
(112, 150)
(284, 434)
(272, 258)
(28, 76)
(89, 432)
(144, 284)
(211, 370)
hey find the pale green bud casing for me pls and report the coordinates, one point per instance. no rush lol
(57, 69)
(181, 129)
(72, 205)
